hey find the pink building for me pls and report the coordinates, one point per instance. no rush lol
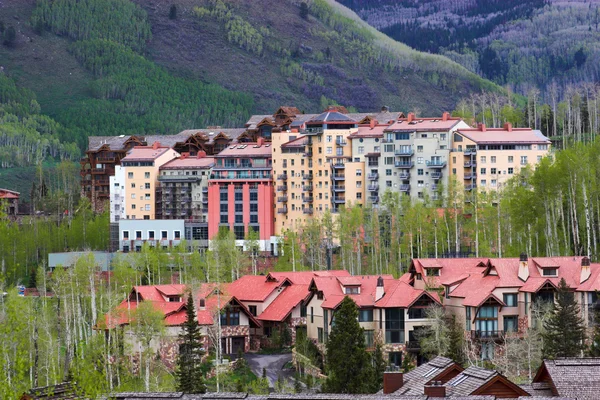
(240, 192)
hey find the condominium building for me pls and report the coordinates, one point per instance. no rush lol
(409, 155)
(140, 170)
(486, 158)
(183, 190)
(240, 192)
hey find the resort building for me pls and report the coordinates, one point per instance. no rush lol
(9, 200)
(485, 158)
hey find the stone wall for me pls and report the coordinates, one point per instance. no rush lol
(295, 322)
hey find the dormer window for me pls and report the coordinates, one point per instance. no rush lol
(433, 272)
(174, 299)
(351, 289)
(550, 271)
(202, 303)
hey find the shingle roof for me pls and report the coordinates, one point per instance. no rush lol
(331, 116)
(189, 162)
(572, 377)
(283, 304)
(401, 294)
(469, 381)
(415, 380)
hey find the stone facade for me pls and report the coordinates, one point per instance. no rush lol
(294, 323)
(228, 332)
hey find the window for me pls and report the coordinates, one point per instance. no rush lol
(133, 206)
(147, 207)
(147, 185)
(487, 351)
(389, 161)
(442, 136)
(483, 159)
(177, 235)
(133, 196)
(511, 323)
(147, 175)
(358, 196)
(138, 235)
(394, 325)
(523, 160)
(539, 158)
(329, 150)
(365, 315)
(151, 235)
(369, 339)
(468, 318)
(252, 310)
(388, 172)
(550, 272)
(329, 138)
(163, 235)
(388, 183)
(133, 185)
(358, 172)
(493, 183)
(493, 171)
(419, 149)
(542, 147)
(482, 171)
(493, 159)
(395, 358)
(419, 160)
(303, 311)
(361, 149)
(510, 159)
(420, 195)
(125, 235)
(312, 315)
(510, 299)
(320, 335)
(416, 313)
(351, 290)
(511, 171)
(487, 321)
(376, 149)
(130, 175)
(483, 182)
(419, 183)
(230, 317)
(420, 172)
(388, 148)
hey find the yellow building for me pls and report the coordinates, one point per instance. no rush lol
(314, 170)
(486, 158)
(140, 175)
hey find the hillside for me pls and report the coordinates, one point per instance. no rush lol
(128, 67)
(525, 43)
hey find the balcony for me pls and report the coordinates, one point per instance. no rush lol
(469, 164)
(340, 142)
(404, 152)
(435, 163)
(434, 187)
(307, 211)
(373, 188)
(405, 188)
(401, 164)
(282, 199)
(487, 334)
(179, 178)
(338, 165)
(313, 131)
(308, 153)
(339, 200)
(205, 200)
(98, 170)
(307, 188)
(338, 177)
(413, 345)
(404, 176)
(307, 177)
(374, 199)
(470, 152)
(307, 199)
(103, 160)
(282, 210)
(282, 188)
(282, 177)
(470, 176)
(337, 188)
(436, 175)
(469, 187)
(373, 177)
(205, 189)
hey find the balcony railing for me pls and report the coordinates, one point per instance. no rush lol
(282, 177)
(469, 164)
(435, 163)
(308, 153)
(205, 189)
(469, 187)
(97, 170)
(307, 199)
(338, 188)
(436, 175)
(312, 131)
(308, 211)
(413, 345)
(373, 188)
(434, 187)
(340, 142)
(105, 159)
(339, 177)
(338, 165)
(282, 188)
(404, 176)
(179, 178)
(283, 210)
(400, 164)
(486, 334)
(373, 176)
(374, 199)
(470, 152)
(307, 188)
(339, 200)
(307, 177)
(404, 152)
(282, 199)
(404, 188)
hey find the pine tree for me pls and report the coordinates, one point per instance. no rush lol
(594, 350)
(349, 367)
(564, 328)
(379, 367)
(189, 374)
(456, 338)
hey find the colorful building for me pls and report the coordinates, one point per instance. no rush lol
(485, 158)
(240, 192)
(9, 199)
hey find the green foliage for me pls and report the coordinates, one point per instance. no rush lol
(444, 337)
(349, 367)
(304, 10)
(189, 374)
(9, 36)
(173, 12)
(379, 365)
(564, 330)
(120, 21)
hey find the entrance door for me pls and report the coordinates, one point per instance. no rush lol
(237, 343)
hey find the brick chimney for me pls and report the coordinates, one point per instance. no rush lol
(392, 381)
(585, 269)
(410, 117)
(155, 145)
(508, 126)
(260, 141)
(434, 389)
(185, 155)
(523, 267)
(372, 123)
(379, 291)
(201, 154)
(481, 127)
(445, 116)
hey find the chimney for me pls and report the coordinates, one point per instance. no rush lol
(445, 116)
(201, 154)
(379, 291)
(585, 269)
(481, 127)
(372, 123)
(523, 267)
(155, 145)
(385, 109)
(508, 126)
(185, 155)
(434, 389)
(410, 117)
(392, 381)
(295, 130)
(260, 141)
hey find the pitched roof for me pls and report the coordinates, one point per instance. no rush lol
(475, 381)
(8, 194)
(246, 150)
(145, 153)
(423, 124)
(252, 288)
(401, 294)
(501, 135)
(571, 377)
(283, 304)
(331, 116)
(189, 162)
(415, 380)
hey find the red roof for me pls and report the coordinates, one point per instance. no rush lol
(400, 294)
(8, 194)
(252, 288)
(501, 135)
(424, 124)
(145, 153)
(189, 162)
(246, 150)
(283, 305)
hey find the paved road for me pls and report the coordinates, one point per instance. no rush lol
(273, 363)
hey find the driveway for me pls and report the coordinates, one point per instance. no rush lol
(273, 364)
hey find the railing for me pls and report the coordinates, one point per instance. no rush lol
(373, 188)
(404, 188)
(282, 188)
(181, 178)
(205, 200)
(97, 170)
(338, 177)
(282, 177)
(469, 164)
(338, 200)
(307, 188)
(486, 334)
(308, 211)
(373, 177)
(404, 152)
(340, 142)
(470, 176)
(312, 131)
(469, 187)
(307, 177)
(374, 199)
(282, 199)
(435, 163)
(338, 165)
(282, 210)
(436, 175)
(469, 152)
(338, 188)
(434, 187)
(205, 189)
(105, 159)
(413, 345)
(308, 153)
(400, 164)
(404, 176)
(307, 199)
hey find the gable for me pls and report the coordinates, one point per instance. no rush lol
(500, 387)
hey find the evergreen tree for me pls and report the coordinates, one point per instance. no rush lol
(189, 374)
(173, 12)
(594, 350)
(455, 344)
(304, 10)
(349, 367)
(379, 367)
(10, 35)
(564, 328)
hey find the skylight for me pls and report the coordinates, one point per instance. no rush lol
(459, 380)
(430, 372)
